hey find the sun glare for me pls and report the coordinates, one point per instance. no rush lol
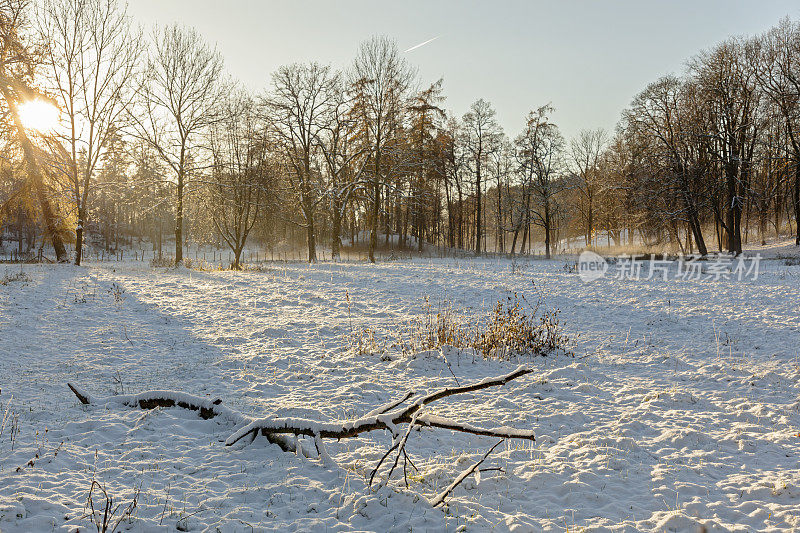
(38, 115)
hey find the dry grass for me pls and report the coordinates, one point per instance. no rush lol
(11, 278)
(194, 264)
(513, 328)
(103, 514)
(436, 327)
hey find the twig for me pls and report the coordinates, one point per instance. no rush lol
(439, 499)
(389, 406)
(395, 444)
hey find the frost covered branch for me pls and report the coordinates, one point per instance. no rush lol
(206, 408)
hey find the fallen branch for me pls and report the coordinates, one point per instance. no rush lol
(157, 398)
(445, 423)
(388, 420)
(391, 405)
(161, 398)
(398, 443)
(402, 449)
(285, 431)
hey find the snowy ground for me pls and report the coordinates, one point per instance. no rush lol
(680, 408)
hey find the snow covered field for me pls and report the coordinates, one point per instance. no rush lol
(680, 408)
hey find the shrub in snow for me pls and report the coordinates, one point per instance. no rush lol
(510, 330)
(19, 276)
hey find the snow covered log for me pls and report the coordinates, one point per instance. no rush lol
(206, 408)
(157, 398)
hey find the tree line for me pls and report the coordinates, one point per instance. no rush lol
(155, 139)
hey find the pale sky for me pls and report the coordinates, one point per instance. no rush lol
(588, 58)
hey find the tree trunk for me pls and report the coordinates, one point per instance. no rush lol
(179, 221)
(376, 208)
(478, 208)
(590, 219)
(79, 243)
(237, 253)
(694, 225)
(336, 230)
(547, 229)
(733, 211)
(310, 239)
(797, 205)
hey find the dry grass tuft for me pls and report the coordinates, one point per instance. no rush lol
(11, 278)
(513, 328)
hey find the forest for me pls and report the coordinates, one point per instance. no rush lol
(113, 134)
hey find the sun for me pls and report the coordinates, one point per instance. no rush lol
(39, 115)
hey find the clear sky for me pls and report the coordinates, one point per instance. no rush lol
(588, 58)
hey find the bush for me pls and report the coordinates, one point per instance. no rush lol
(162, 261)
(512, 331)
(509, 331)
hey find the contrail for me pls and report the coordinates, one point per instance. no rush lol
(421, 44)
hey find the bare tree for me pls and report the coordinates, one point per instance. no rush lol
(178, 94)
(585, 152)
(91, 53)
(240, 178)
(539, 152)
(731, 96)
(777, 68)
(502, 163)
(345, 159)
(302, 95)
(481, 137)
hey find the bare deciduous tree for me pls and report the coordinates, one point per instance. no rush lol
(345, 159)
(539, 152)
(481, 138)
(241, 174)
(178, 94)
(91, 52)
(777, 68)
(302, 96)
(585, 152)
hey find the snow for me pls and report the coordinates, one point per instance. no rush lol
(680, 408)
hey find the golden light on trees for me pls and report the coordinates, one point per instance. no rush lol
(39, 115)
